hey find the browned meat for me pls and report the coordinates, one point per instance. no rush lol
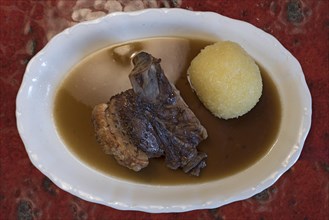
(150, 120)
(114, 139)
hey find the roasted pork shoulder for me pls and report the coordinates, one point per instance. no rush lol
(150, 120)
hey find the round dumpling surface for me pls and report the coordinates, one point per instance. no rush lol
(226, 79)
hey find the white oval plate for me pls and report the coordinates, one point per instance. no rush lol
(49, 154)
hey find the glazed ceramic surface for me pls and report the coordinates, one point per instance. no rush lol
(49, 67)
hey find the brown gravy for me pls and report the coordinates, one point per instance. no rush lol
(232, 145)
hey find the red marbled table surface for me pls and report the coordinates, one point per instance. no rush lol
(302, 26)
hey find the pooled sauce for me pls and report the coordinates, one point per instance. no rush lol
(232, 145)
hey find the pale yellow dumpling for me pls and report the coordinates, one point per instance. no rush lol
(226, 79)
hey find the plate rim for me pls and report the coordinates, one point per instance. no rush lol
(160, 208)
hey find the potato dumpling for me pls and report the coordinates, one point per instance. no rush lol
(226, 79)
